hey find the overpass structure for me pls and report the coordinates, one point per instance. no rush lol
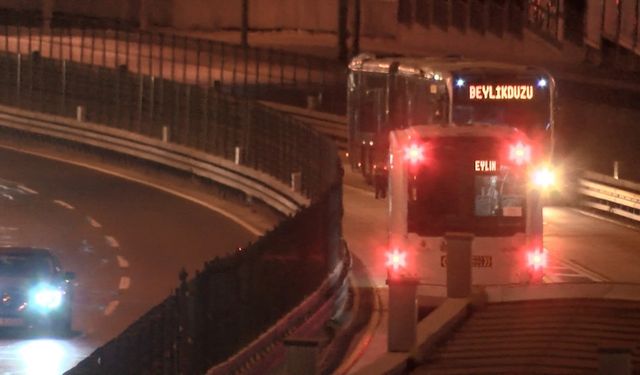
(201, 123)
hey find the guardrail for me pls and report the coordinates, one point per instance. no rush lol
(251, 182)
(615, 196)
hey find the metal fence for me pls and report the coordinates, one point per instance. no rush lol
(233, 299)
(229, 302)
(196, 116)
(242, 71)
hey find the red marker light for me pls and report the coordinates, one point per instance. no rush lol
(414, 153)
(396, 259)
(537, 259)
(520, 153)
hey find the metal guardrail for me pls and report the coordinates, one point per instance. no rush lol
(251, 182)
(605, 193)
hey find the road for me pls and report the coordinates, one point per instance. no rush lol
(125, 241)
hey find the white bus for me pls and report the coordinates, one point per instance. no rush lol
(467, 179)
(390, 93)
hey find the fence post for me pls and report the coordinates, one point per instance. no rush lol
(237, 156)
(64, 85)
(18, 73)
(80, 113)
(296, 181)
(47, 14)
(140, 98)
(152, 92)
(165, 134)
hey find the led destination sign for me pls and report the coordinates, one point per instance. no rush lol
(501, 92)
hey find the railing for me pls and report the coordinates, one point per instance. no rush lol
(605, 193)
(244, 71)
(233, 299)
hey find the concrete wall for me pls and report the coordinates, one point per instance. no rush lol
(379, 18)
(316, 15)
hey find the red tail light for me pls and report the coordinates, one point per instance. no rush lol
(520, 153)
(537, 259)
(396, 260)
(414, 153)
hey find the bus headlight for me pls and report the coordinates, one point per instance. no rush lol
(544, 177)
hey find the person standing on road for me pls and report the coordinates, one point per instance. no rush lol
(380, 181)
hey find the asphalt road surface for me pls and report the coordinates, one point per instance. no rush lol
(125, 241)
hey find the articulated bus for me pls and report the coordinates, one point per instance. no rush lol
(472, 179)
(391, 93)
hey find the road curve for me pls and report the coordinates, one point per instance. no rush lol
(126, 242)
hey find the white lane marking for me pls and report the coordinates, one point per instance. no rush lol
(253, 230)
(24, 188)
(63, 204)
(125, 282)
(93, 222)
(111, 241)
(122, 262)
(111, 307)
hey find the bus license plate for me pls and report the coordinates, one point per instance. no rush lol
(478, 261)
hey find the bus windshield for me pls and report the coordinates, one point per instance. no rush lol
(467, 189)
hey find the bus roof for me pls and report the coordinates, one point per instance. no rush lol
(477, 130)
(430, 66)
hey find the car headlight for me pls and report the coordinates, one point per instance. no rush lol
(46, 297)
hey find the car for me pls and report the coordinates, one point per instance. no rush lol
(34, 291)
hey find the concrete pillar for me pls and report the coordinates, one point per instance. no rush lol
(403, 314)
(458, 246)
(301, 356)
(47, 14)
(614, 360)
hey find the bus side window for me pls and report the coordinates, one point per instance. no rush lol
(398, 103)
(372, 106)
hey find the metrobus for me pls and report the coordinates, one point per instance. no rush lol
(472, 179)
(391, 93)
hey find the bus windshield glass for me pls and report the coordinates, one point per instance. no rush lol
(521, 103)
(467, 188)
